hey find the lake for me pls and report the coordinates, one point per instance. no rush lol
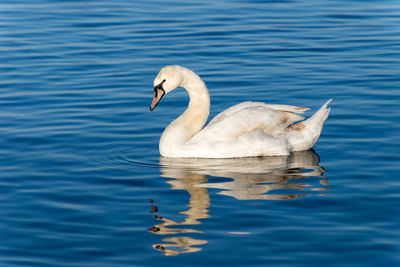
(81, 179)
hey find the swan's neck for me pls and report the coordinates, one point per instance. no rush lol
(193, 119)
(196, 114)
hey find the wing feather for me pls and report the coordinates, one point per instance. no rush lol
(243, 105)
(248, 117)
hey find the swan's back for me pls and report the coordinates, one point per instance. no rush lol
(250, 104)
(249, 117)
(246, 129)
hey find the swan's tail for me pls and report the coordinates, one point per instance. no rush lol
(304, 135)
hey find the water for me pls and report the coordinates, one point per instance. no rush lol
(81, 180)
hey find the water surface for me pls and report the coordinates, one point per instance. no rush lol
(81, 179)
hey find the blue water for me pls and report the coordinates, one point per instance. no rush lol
(81, 180)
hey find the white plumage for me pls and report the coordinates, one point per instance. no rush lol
(244, 130)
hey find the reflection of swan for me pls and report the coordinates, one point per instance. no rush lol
(244, 130)
(253, 178)
(198, 209)
(184, 244)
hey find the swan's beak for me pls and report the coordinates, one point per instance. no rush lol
(158, 94)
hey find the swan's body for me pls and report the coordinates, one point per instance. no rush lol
(245, 130)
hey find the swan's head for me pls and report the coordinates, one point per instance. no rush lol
(169, 78)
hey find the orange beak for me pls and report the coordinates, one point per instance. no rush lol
(158, 94)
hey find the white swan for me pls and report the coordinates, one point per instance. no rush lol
(247, 129)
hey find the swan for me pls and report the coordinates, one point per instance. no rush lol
(248, 129)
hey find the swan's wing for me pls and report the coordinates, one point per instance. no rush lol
(241, 120)
(247, 104)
